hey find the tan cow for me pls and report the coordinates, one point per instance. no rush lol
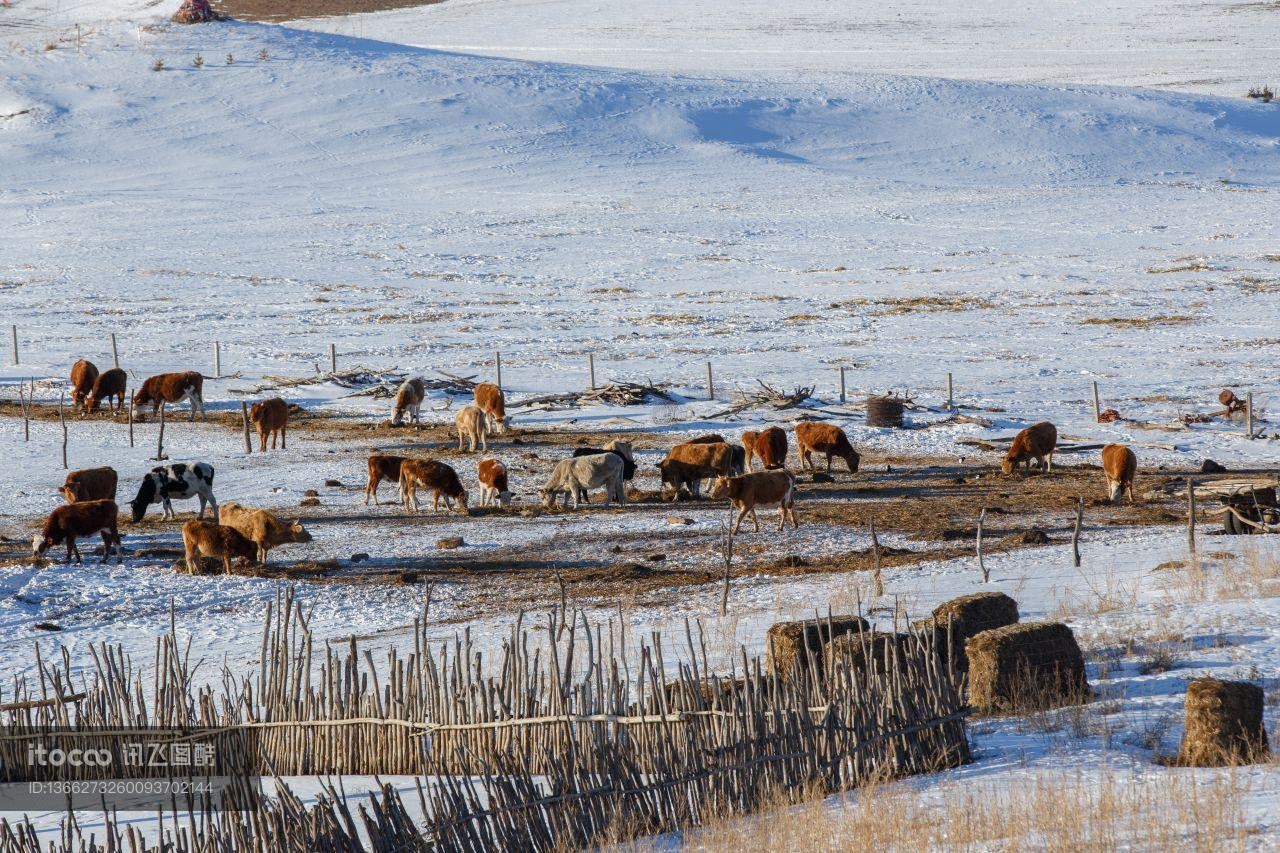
(688, 464)
(440, 478)
(813, 437)
(382, 467)
(1035, 442)
(493, 403)
(1119, 465)
(90, 484)
(83, 374)
(261, 527)
(759, 488)
(271, 417)
(749, 439)
(110, 386)
(771, 447)
(210, 539)
(494, 487)
(172, 388)
(409, 399)
(473, 426)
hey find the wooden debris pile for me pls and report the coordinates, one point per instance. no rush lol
(768, 397)
(613, 393)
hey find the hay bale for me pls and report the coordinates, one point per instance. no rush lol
(865, 652)
(884, 411)
(1224, 724)
(792, 644)
(1028, 666)
(967, 616)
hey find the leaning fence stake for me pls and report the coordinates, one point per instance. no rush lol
(875, 560)
(497, 362)
(591, 370)
(244, 416)
(63, 421)
(842, 393)
(160, 436)
(951, 397)
(217, 360)
(15, 344)
(1075, 534)
(982, 566)
(1248, 415)
(333, 359)
(1191, 515)
(711, 388)
(1097, 407)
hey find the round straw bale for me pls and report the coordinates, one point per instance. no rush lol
(1028, 666)
(957, 620)
(1224, 724)
(884, 411)
(791, 644)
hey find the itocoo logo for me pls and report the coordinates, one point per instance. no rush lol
(68, 757)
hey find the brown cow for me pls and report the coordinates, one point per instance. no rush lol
(749, 439)
(210, 539)
(86, 518)
(83, 374)
(1035, 442)
(409, 399)
(271, 417)
(172, 388)
(771, 447)
(688, 464)
(491, 401)
(1119, 464)
(381, 467)
(814, 437)
(709, 438)
(261, 527)
(759, 488)
(440, 478)
(90, 484)
(494, 487)
(110, 386)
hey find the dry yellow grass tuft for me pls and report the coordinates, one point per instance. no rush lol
(1139, 322)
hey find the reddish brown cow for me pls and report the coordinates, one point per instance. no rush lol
(491, 401)
(409, 399)
(210, 539)
(83, 374)
(172, 388)
(1035, 442)
(759, 488)
(110, 386)
(688, 464)
(440, 478)
(381, 467)
(1119, 465)
(70, 521)
(90, 484)
(271, 417)
(494, 487)
(813, 437)
(749, 439)
(771, 447)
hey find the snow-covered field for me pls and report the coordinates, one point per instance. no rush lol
(1062, 194)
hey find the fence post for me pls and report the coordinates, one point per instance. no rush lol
(951, 396)
(14, 327)
(333, 359)
(160, 437)
(26, 413)
(1097, 407)
(63, 421)
(842, 394)
(876, 576)
(497, 361)
(711, 388)
(591, 370)
(115, 353)
(982, 566)
(217, 360)
(244, 416)
(1248, 415)
(1075, 534)
(1191, 515)
(130, 419)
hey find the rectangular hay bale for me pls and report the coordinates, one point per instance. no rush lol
(966, 617)
(1224, 724)
(792, 644)
(1024, 667)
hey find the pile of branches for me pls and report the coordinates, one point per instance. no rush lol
(768, 397)
(614, 393)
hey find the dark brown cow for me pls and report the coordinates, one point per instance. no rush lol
(83, 374)
(813, 437)
(759, 488)
(271, 417)
(381, 467)
(687, 465)
(771, 447)
(1035, 442)
(70, 521)
(210, 539)
(90, 484)
(172, 388)
(110, 386)
(440, 478)
(1119, 465)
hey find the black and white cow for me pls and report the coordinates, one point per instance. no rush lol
(175, 482)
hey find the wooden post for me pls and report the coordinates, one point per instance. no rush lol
(115, 353)
(982, 566)
(63, 421)
(497, 362)
(160, 437)
(591, 370)
(26, 414)
(1097, 407)
(244, 416)
(842, 394)
(1191, 515)
(726, 548)
(875, 559)
(130, 419)
(217, 360)
(1075, 534)
(15, 343)
(1248, 415)
(711, 388)
(333, 359)
(951, 396)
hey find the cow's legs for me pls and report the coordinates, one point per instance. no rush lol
(737, 525)
(284, 437)
(202, 502)
(755, 520)
(168, 513)
(828, 463)
(107, 540)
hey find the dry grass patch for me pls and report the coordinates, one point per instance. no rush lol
(1139, 322)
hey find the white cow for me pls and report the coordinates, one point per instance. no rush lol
(577, 476)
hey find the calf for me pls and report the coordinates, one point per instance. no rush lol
(1035, 442)
(759, 488)
(771, 447)
(210, 539)
(261, 527)
(179, 481)
(749, 439)
(110, 386)
(409, 399)
(577, 476)
(491, 401)
(271, 417)
(381, 467)
(472, 426)
(1119, 464)
(86, 518)
(172, 388)
(83, 374)
(816, 437)
(494, 488)
(440, 478)
(687, 465)
(90, 484)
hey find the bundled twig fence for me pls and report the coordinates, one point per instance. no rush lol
(570, 737)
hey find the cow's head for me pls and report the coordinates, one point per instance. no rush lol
(145, 498)
(298, 533)
(461, 498)
(1116, 488)
(40, 544)
(719, 488)
(1006, 465)
(142, 397)
(504, 499)
(69, 493)
(549, 497)
(853, 460)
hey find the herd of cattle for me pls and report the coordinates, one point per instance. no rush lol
(241, 532)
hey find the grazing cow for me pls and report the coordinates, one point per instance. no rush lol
(110, 386)
(688, 464)
(577, 476)
(172, 388)
(759, 488)
(271, 417)
(179, 481)
(813, 437)
(771, 447)
(1119, 464)
(440, 478)
(709, 438)
(83, 374)
(409, 399)
(70, 521)
(261, 527)
(749, 439)
(381, 467)
(472, 426)
(628, 463)
(493, 483)
(491, 401)
(739, 462)
(1035, 442)
(90, 484)
(210, 539)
